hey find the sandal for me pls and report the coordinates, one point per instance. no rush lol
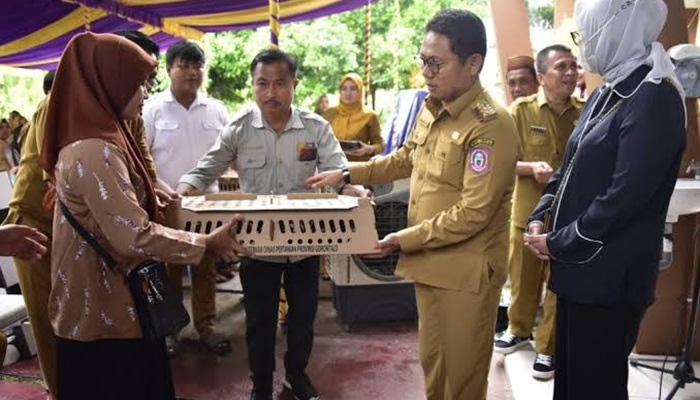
(216, 342)
(172, 345)
(220, 278)
(227, 271)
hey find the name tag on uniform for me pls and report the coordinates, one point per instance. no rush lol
(307, 151)
(538, 129)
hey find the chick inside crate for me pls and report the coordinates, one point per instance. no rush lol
(279, 225)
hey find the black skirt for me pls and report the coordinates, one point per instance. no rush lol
(113, 369)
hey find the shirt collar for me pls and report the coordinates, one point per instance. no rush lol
(293, 123)
(542, 100)
(456, 107)
(200, 100)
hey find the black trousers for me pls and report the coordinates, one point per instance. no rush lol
(593, 343)
(113, 369)
(261, 288)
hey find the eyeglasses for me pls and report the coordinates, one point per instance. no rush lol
(576, 37)
(432, 64)
(194, 66)
(627, 4)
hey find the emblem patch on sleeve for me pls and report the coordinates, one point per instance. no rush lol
(479, 159)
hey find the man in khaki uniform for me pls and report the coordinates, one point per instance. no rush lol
(521, 76)
(460, 157)
(521, 79)
(545, 121)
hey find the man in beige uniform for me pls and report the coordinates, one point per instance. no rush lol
(460, 157)
(521, 76)
(545, 121)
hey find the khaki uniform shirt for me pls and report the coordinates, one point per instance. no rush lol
(370, 133)
(5, 156)
(30, 187)
(543, 136)
(461, 161)
(88, 300)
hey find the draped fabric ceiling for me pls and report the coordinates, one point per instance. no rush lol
(33, 33)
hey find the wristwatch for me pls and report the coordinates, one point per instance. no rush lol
(346, 175)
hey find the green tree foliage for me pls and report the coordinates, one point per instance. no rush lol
(542, 16)
(329, 47)
(228, 66)
(21, 92)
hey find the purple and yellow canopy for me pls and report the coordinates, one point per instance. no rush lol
(33, 33)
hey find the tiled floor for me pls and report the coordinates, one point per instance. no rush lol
(643, 383)
(377, 361)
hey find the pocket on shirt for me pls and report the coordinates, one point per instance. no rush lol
(212, 126)
(448, 165)
(537, 147)
(163, 140)
(251, 167)
(166, 125)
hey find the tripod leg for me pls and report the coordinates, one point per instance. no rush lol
(638, 364)
(674, 389)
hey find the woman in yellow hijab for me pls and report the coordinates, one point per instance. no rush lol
(353, 124)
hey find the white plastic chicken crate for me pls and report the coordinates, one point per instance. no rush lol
(279, 225)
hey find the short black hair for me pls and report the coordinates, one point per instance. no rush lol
(142, 40)
(15, 114)
(186, 51)
(271, 56)
(48, 80)
(463, 28)
(541, 61)
(5, 122)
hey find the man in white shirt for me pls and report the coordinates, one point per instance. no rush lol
(182, 124)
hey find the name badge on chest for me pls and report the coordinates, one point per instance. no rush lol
(307, 151)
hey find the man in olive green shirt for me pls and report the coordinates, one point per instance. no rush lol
(545, 121)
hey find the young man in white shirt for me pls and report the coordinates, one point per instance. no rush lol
(182, 124)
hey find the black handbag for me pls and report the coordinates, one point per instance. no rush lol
(160, 311)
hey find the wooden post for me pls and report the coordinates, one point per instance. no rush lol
(563, 10)
(512, 33)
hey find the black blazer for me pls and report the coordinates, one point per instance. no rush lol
(608, 222)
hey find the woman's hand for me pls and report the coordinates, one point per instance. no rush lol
(222, 243)
(537, 244)
(364, 150)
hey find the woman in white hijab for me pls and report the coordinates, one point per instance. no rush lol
(600, 220)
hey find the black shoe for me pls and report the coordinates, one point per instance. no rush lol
(260, 396)
(301, 388)
(543, 368)
(508, 343)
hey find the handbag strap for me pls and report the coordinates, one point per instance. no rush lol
(104, 254)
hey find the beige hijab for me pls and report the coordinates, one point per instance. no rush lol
(96, 78)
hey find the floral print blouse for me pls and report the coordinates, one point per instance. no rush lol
(90, 301)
